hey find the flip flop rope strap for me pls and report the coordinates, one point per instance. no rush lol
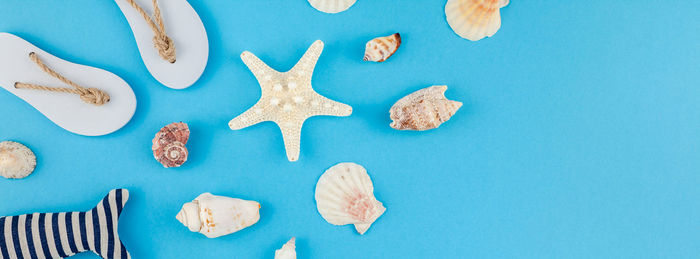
(89, 95)
(165, 45)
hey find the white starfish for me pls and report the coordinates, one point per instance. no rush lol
(288, 98)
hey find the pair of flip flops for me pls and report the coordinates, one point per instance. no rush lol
(55, 87)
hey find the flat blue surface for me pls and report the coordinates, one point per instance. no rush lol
(579, 136)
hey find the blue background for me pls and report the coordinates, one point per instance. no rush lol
(579, 136)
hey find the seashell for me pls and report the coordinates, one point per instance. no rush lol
(332, 6)
(169, 144)
(423, 109)
(288, 250)
(474, 19)
(216, 216)
(345, 195)
(16, 160)
(380, 49)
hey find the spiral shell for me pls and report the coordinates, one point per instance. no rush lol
(169, 144)
(380, 49)
(345, 195)
(16, 160)
(474, 19)
(332, 6)
(288, 250)
(423, 109)
(215, 216)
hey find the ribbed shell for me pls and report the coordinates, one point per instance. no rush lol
(16, 160)
(474, 19)
(380, 49)
(332, 6)
(423, 109)
(345, 195)
(169, 144)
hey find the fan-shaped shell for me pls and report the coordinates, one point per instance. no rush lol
(332, 6)
(16, 160)
(380, 49)
(423, 109)
(215, 216)
(474, 19)
(288, 250)
(345, 195)
(169, 144)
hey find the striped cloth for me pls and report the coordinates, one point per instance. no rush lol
(60, 235)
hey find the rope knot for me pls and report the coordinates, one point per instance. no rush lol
(165, 46)
(94, 96)
(89, 95)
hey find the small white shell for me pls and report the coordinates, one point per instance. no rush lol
(288, 250)
(345, 195)
(332, 6)
(215, 216)
(380, 49)
(16, 160)
(424, 109)
(474, 19)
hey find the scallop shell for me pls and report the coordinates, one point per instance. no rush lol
(288, 250)
(332, 6)
(16, 160)
(215, 216)
(169, 144)
(380, 49)
(423, 109)
(474, 19)
(345, 195)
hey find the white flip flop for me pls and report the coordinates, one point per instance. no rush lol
(67, 110)
(183, 26)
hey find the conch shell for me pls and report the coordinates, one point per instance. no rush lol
(345, 195)
(474, 19)
(332, 6)
(423, 109)
(169, 144)
(216, 216)
(288, 250)
(380, 49)
(16, 160)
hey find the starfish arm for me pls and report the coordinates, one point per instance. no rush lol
(291, 133)
(252, 116)
(261, 71)
(307, 63)
(328, 107)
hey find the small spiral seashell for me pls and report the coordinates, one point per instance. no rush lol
(474, 19)
(423, 109)
(380, 49)
(16, 160)
(173, 154)
(169, 144)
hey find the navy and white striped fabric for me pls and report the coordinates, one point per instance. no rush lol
(60, 235)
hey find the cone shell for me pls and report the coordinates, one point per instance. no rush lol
(423, 110)
(345, 195)
(16, 160)
(474, 19)
(215, 216)
(288, 250)
(332, 6)
(380, 49)
(169, 144)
